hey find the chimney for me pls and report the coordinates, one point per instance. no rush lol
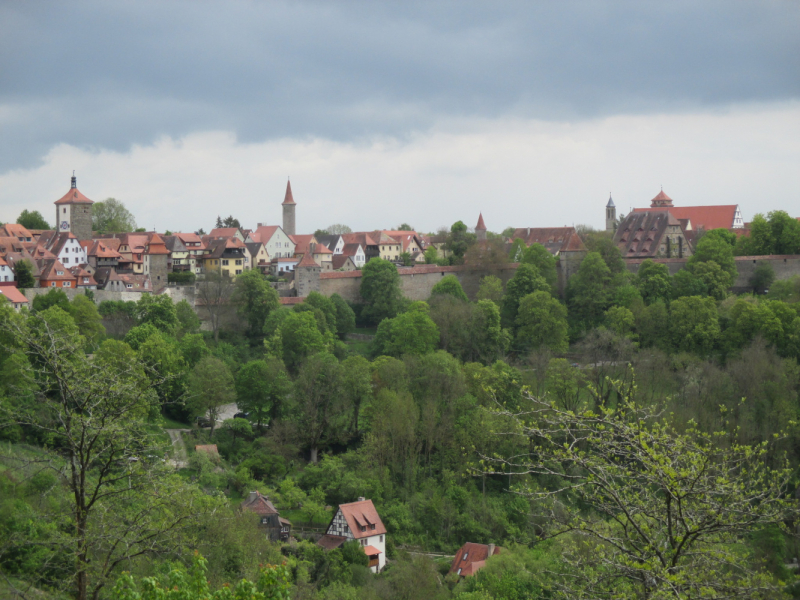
(74, 182)
(252, 496)
(361, 498)
(491, 551)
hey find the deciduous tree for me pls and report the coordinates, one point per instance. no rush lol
(380, 290)
(111, 216)
(211, 386)
(541, 322)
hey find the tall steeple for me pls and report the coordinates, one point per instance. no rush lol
(611, 215)
(480, 228)
(289, 206)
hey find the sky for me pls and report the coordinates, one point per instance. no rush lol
(389, 112)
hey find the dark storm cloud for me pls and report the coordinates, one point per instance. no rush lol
(109, 74)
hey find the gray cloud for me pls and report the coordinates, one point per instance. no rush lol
(108, 75)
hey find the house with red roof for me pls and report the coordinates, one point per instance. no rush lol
(358, 521)
(557, 240)
(65, 246)
(17, 231)
(277, 242)
(227, 232)
(653, 234)
(471, 557)
(308, 244)
(55, 274)
(13, 295)
(6, 272)
(270, 519)
(723, 216)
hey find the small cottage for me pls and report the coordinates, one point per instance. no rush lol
(358, 521)
(472, 557)
(277, 528)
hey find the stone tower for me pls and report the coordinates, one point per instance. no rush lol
(74, 213)
(480, 228)
(156, 262)
(611, 215)
(288, 210)
(306, 274)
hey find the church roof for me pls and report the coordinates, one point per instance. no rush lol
(481, 226)
(611, 202)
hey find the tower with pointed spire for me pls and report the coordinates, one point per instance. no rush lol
(288, 210)
(480, 228)
(74, 212)
(611, 215)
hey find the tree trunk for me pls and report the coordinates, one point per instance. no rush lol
(314, 451)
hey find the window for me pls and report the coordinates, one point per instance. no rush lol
(381, 538)
(372, 527)
(363, 528)
(67, 284)
(465, 556)
(59, 272)
(52, 284)
(458, 572)
(129, 286)
(65, 211)
(238, 262)
(66, 261)
(264, 520)
(238, 271)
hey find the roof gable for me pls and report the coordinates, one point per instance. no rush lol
(362, 514)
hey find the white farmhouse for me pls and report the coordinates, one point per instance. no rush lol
(358, 521)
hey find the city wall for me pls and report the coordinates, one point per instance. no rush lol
(785, 267)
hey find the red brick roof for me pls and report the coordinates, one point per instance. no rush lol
(476, 558)
(13, 294)
(362, 513)
(481, 226)
(706, 217)
(288, 300)
(329, 542)
(555, 239)
(51, 268)
(307, 261)
(263, 233)
(73, 196)
(18, 231)
(223, 232)
(101, 249)
(371, 551)
(288, 198)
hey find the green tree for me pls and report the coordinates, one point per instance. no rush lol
(23, 273)
(602, 242)
(321, 409)
(686, 283)
(412, 332)
(491, 288)
(459, 240)
(158, 311)
(111, 216)
(188, 321)
(180, 583)
(715, 280)
(673, 505)
(714, 247)
(300, 338)
(589, 292)
(404, 227)
(540, 257)
(517, 251)
(653, 281)
(431, 255)
(406, 259)
(541, 322)
(380, 290)
(449, 284)
(255, 299)
(694, 324)
(88, 320)
(777, 233)
(33, 220)
(211, 386)
(54, 297)
(193, 348)
(621, 321)
(323, 303)
(356, 386)
(563, 383)
(762, 278)
(261, 389)
(525, 281)
(345, 317)
(93, 411)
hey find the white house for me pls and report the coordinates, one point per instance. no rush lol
(65, 246)
(275, 240)
(358, 521)
(6, 273)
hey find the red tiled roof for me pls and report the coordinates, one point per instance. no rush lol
(288, 198)
(223, 232)
(351, 249)
(17, 231)
(481, 226)
(51, 269)
(263, 233)
(707, 217)
(555, 239)
(187, 238)
(362, 513)
(258, 503)
(371, 551)
(476, 558)
(307, 261)
(13, 294)
(288, 300)
(339, 260)
(73, 196)
(101, 249)
(661, 200)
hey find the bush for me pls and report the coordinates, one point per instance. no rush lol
(184, 277)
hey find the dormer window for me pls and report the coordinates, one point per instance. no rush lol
(59, 272)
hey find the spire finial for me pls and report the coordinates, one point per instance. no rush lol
(74, 182)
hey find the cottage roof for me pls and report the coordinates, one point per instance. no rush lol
(264, 233)
(329, 542)
(81, 274)
(476, 555)
(155, 245)
(340, 260)
(188, 238)
(258, 503)
(362, 514)
(288, 198)
(351, 249)
(13, 294)
(18, 231)
(224, 232)
(404, 237)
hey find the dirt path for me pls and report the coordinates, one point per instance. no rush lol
(179, 456)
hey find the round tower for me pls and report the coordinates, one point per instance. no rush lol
(288, 210)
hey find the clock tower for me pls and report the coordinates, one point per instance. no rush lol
(74, 213)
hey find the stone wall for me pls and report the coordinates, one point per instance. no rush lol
(177, 293)
(785, 267)
(80, 221)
